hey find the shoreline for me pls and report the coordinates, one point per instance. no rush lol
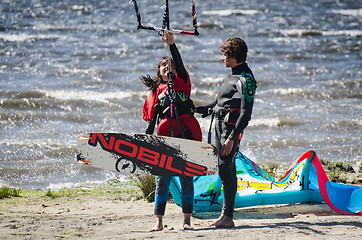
(106, 213)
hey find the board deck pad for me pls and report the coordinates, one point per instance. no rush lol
(147, 154)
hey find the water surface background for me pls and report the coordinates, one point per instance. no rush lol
(68, 67)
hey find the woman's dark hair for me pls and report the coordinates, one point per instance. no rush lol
(235, 48)
(152, 83)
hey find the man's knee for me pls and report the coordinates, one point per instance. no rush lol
(226, 171)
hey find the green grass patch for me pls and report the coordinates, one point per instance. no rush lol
(6, 192)
(341, 172)
(147, 184)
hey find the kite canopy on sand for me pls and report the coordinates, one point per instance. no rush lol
(304, 182)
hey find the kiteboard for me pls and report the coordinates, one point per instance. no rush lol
(147, 154)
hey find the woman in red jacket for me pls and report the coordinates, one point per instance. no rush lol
(157, 109)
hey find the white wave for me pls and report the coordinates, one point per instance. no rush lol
(88, 184)
(267, 122)
(22, 37)
(31, 143)
(301, 32)
(297, 32)
(62, 186)
(211, 80)
(352, 33)
(228, 12)
(88, 95)
(274, 122)
(350, 12)
(287, 91)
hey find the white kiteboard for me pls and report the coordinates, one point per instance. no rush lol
(147, 154)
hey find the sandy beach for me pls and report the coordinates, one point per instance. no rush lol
(105, 214)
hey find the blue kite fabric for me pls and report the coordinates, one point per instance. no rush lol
(304, 182)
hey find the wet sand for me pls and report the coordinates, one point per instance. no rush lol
(105, 215)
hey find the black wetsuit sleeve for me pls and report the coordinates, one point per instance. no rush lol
(205, 109)
(243, 120)
(246, 109)
(180, 68)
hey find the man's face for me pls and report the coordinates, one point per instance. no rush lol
(229, 61)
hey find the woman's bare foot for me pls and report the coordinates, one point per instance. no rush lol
(158, 226)
(188, 227)
(187, 221)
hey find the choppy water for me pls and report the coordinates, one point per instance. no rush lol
(69, 67)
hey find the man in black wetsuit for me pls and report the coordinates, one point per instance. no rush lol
(232, 107)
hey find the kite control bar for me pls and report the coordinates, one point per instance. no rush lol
(166, 24)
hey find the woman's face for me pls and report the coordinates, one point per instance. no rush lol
(164, 69)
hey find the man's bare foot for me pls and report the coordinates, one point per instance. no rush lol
(227, 222)
(217, 221)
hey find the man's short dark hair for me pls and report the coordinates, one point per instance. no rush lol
(235, 48)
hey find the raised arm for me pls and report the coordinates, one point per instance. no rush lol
(180, 68)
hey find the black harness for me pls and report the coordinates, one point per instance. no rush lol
(182, 102)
